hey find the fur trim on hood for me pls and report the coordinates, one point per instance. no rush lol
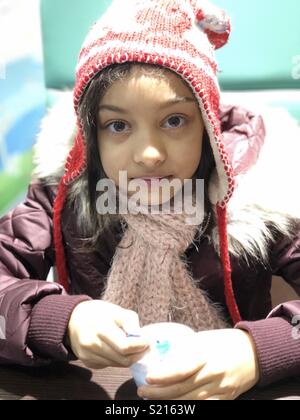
(265, 200)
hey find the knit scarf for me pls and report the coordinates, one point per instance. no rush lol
(149, 276)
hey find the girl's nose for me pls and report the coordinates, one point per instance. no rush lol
(150, 156)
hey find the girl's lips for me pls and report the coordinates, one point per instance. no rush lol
(156, 178)
(154, 181)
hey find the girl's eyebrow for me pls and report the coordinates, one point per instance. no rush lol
(176, 100)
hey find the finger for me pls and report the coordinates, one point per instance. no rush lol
(175, 394)
(170, 376)
(96, 362)
(201, 395)
(130, 323)
(109, 353)
(174, 390)
(218, 398)
(104, 350)
(118, 340)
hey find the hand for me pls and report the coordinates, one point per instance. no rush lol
(97, 335)
(223, 367)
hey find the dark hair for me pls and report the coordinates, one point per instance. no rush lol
(82, 193)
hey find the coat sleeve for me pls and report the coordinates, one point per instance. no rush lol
(277, 338)
(34, 313)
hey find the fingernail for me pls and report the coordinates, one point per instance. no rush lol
(132, 335)
(132, 331)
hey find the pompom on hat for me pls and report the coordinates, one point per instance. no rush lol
(180, 35)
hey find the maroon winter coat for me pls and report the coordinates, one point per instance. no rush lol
(34, 314)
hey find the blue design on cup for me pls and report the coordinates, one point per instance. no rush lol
(163, 347)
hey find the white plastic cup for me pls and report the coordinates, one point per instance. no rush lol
(164, 339)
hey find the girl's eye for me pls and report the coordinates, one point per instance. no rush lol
(175, 121)
(117, 127)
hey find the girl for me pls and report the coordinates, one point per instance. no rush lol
(147, 102)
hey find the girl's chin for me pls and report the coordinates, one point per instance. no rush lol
(152, 199)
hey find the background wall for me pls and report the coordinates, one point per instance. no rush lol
(22, 95)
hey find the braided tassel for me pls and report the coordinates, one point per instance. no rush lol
(75, 164)
(229, 293)
(58, 240)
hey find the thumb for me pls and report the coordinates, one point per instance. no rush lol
(131, 324)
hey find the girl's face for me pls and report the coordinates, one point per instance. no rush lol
(149, 126)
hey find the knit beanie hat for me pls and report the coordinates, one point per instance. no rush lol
(180, 35)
